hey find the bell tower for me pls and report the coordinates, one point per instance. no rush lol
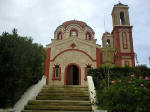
(120, 15)
(107, 40)
(122, 36)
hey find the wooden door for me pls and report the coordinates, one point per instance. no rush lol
(70, 75)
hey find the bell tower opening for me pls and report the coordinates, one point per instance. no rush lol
(108, 42)
(122, 18)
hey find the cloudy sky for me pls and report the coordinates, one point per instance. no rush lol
(39, 19)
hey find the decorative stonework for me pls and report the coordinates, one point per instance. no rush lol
(81, 23)
(73, 45)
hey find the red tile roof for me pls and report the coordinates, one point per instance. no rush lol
(82, 24)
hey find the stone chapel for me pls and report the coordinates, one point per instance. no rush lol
(74, 50)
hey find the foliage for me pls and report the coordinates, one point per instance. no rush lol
(125, 94)
(116, 72)
(128, 95)
(21, 65)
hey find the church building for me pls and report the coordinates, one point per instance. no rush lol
(74, 50)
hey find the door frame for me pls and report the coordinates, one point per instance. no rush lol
(65, 73)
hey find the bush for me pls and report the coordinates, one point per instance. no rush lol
(128, 95)
(21, 65)
(118, 92)
(101, 74)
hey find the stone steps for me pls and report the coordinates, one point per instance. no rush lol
(60, 99)
(57, 107)
(59, 102)
(51, 111)
(60, 94)
(64, 86)
(68, 88)
(63, 91)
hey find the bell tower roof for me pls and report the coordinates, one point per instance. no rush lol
(120, 4)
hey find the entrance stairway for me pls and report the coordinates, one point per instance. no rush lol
(60, 99)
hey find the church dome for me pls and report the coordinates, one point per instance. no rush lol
(74, 28)
(81, 23)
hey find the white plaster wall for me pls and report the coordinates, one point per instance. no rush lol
(31, 93)
(92, 93)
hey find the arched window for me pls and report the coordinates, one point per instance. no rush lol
(56, 73)
(59, 36)
(88, 36)
(122, 18)
(108, 43)
(73, 33)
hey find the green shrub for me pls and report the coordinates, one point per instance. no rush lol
(116, 72)
(128, 95)
(21, 65)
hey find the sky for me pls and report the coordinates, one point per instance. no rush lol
(39, 19)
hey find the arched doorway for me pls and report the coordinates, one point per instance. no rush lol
(72, 74)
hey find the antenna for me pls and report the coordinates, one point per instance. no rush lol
(137, 62)
(104, 23)
(149, 60)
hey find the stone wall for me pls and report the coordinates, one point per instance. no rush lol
(62, 54)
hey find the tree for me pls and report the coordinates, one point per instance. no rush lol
(21, 65)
